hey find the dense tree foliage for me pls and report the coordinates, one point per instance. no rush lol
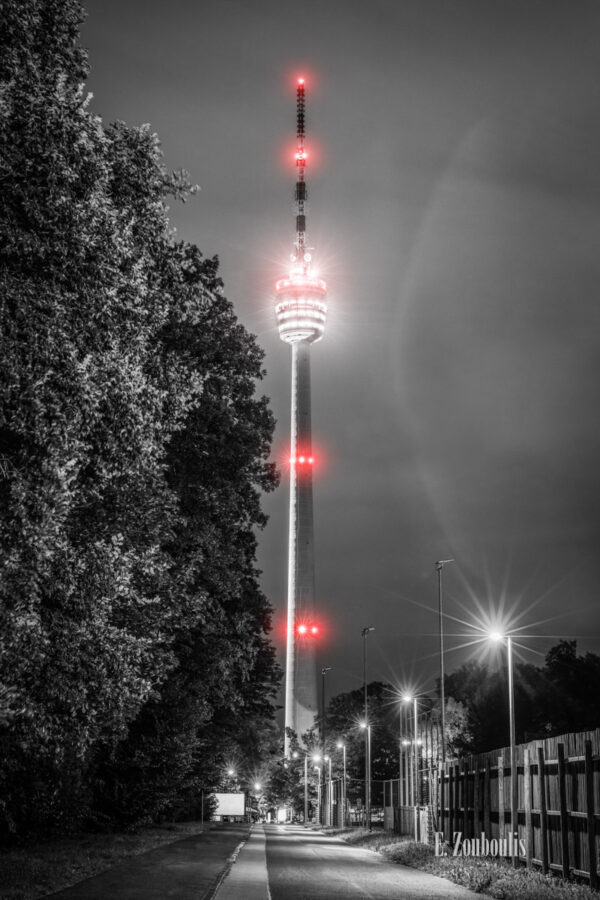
(133, 450)
(560, 697)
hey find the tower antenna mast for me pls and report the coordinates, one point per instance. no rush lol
(301, 194)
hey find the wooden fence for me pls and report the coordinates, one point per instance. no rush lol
(558, 801)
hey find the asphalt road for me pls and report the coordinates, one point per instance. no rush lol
(289, 863)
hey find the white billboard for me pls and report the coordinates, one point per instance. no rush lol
(230, 804)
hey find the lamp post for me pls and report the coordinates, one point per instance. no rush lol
(365, 633)
(341, 746)
(317, 759)
(328, 821)
(295, 756)
(439, 566)
(408, 699)
(514, 783)
(401, 744)
(324, 672)
(257, 789)
(318, 768)
(367, 728)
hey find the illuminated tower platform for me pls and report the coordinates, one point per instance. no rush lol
(301, 312)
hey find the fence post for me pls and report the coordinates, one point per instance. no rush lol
(450, 801)
(487, 801)
(501, 823)
(465, 816)
(476, 818)
(591, 821)
(564, 822)
(543, 810)
(527, 803)
(456, 797)
(442, 797)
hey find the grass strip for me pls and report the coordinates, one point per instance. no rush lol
(491, 877)
(35, 870)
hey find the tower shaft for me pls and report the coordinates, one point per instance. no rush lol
(301, 668)
(301, 312)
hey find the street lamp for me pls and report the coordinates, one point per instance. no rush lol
(341, 746)
(367, 728)
(324, 672)
(514, 783)
(305, 789)
(365, 633)
(318, 768)
(329, 803)
(439, 566)
(316, 758)
(408, 699)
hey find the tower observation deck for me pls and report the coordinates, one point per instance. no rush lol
(301, 312)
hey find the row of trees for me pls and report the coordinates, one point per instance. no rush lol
(559, 697)
(134, 650)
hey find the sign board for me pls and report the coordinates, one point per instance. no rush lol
(230, 804)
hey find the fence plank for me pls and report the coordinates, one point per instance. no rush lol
(456, 798)
(476, 818)
(487, 801)
(451, 803)
(543, 809)
(591, 823)
(501, 821)
(527, 803)
(465, 798)
(564, 822)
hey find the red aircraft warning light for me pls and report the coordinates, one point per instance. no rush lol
(302, 460)
(307, 629)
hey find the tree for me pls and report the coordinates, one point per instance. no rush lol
(342, 722)
(133, 635)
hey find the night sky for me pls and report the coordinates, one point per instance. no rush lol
(454, 187)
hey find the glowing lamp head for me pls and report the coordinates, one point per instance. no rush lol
(301, 81)
(496, 636)
(314, 630)
(407, 698)
(302, 629)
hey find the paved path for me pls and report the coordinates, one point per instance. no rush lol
(276, 862)
(189, 869)
(289, 863)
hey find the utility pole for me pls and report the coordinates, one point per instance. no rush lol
(439, 566)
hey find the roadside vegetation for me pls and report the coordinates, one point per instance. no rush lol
(27, 873)
(483, 876)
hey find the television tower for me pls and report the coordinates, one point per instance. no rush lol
(301, 310)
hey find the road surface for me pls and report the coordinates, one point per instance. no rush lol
(284, 862)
